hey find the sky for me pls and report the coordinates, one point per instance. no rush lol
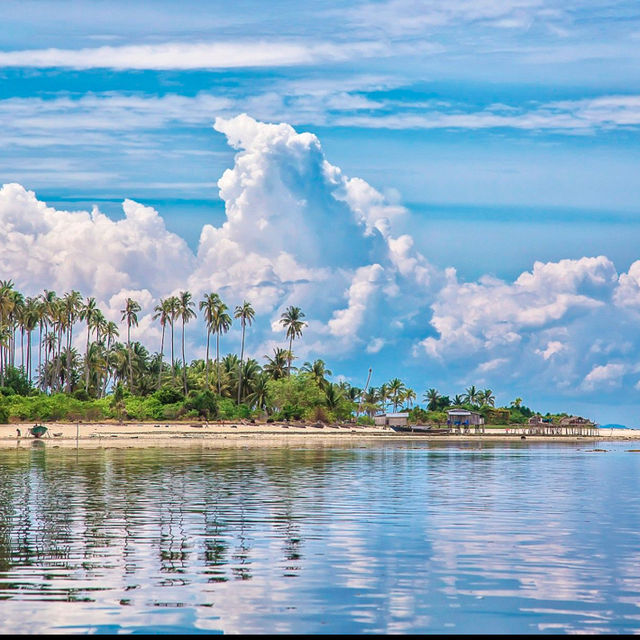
(450, 191)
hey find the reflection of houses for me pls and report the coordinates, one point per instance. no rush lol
(463, 421)
(391, 419)
(567, 426)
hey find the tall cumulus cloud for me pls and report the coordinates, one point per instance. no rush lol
(298, 231)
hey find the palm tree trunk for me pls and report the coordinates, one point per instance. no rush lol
(207, 358)
(184, 364)
(22, 349)
(161, 352)
(69, 339)
(241, 359)
(129, 349)
(59, 360)
(86, 361)
(29, 355)
(173, 370)
(218, 358)
(40, 351)
(290, 355)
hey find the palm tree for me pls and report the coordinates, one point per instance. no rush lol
(292, 321)
(129, 313)
(111, 332)
(173, 305)
(276, 366)
(396, 390)
(410, 396)
(72, 306)
(246, 314)
(332, 395)
(458, 400)
(471, 395)
(162, 312)
(517, 403)
(318, 371)
(221, 324)
(431, 397)
(209, 305)
(260, 393)
(31, 318)
(488, 398)
(383, 395)
(186, 312)
(87, 313)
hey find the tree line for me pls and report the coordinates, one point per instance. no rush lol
(38, 356)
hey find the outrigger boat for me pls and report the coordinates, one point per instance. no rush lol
(421, 429)
(38, 430)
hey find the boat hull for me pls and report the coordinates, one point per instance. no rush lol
(420, 430)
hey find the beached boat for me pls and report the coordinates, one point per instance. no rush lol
(38, 430)
(420, 429)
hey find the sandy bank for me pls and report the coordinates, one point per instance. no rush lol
(144, 434)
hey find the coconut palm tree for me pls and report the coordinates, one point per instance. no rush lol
(221, 324)
(318, 371)
(162, 312)
(276, 367)
(110, 332)
(130, 315)
(292, 321)
(332, 395)
(396, 391)
(410, 397)
(431, 397)
(72, 306)
(260, 393)
(383, 395)
(173, 305)
(186, 312)
(246, 314)
(457, 400)
(471, 395)
(208, 306)
(487, 398)
(87, 312)
(31, 317)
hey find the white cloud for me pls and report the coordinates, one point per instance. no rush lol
(192, 55)
(44, 247)
(604, 376)
(398, 17)
(553, 347)
(491, 313)
(298, 231)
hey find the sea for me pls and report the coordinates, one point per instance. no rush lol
(401, 536)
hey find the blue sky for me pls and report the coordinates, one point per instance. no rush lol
(507, 132)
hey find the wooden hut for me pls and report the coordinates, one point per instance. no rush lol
(391, 419)
(464, 421)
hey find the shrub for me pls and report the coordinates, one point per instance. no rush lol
(204, 404)
(16, 380)
(168, 395)
(4, 414)
(366, 420)
(81, 394)
(320, 415)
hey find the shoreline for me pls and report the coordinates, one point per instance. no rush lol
(146, 434)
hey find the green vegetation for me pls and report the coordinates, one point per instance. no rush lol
(112, 380)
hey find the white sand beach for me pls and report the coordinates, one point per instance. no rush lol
(145, 434)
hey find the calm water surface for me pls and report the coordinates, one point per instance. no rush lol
(391, 537)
